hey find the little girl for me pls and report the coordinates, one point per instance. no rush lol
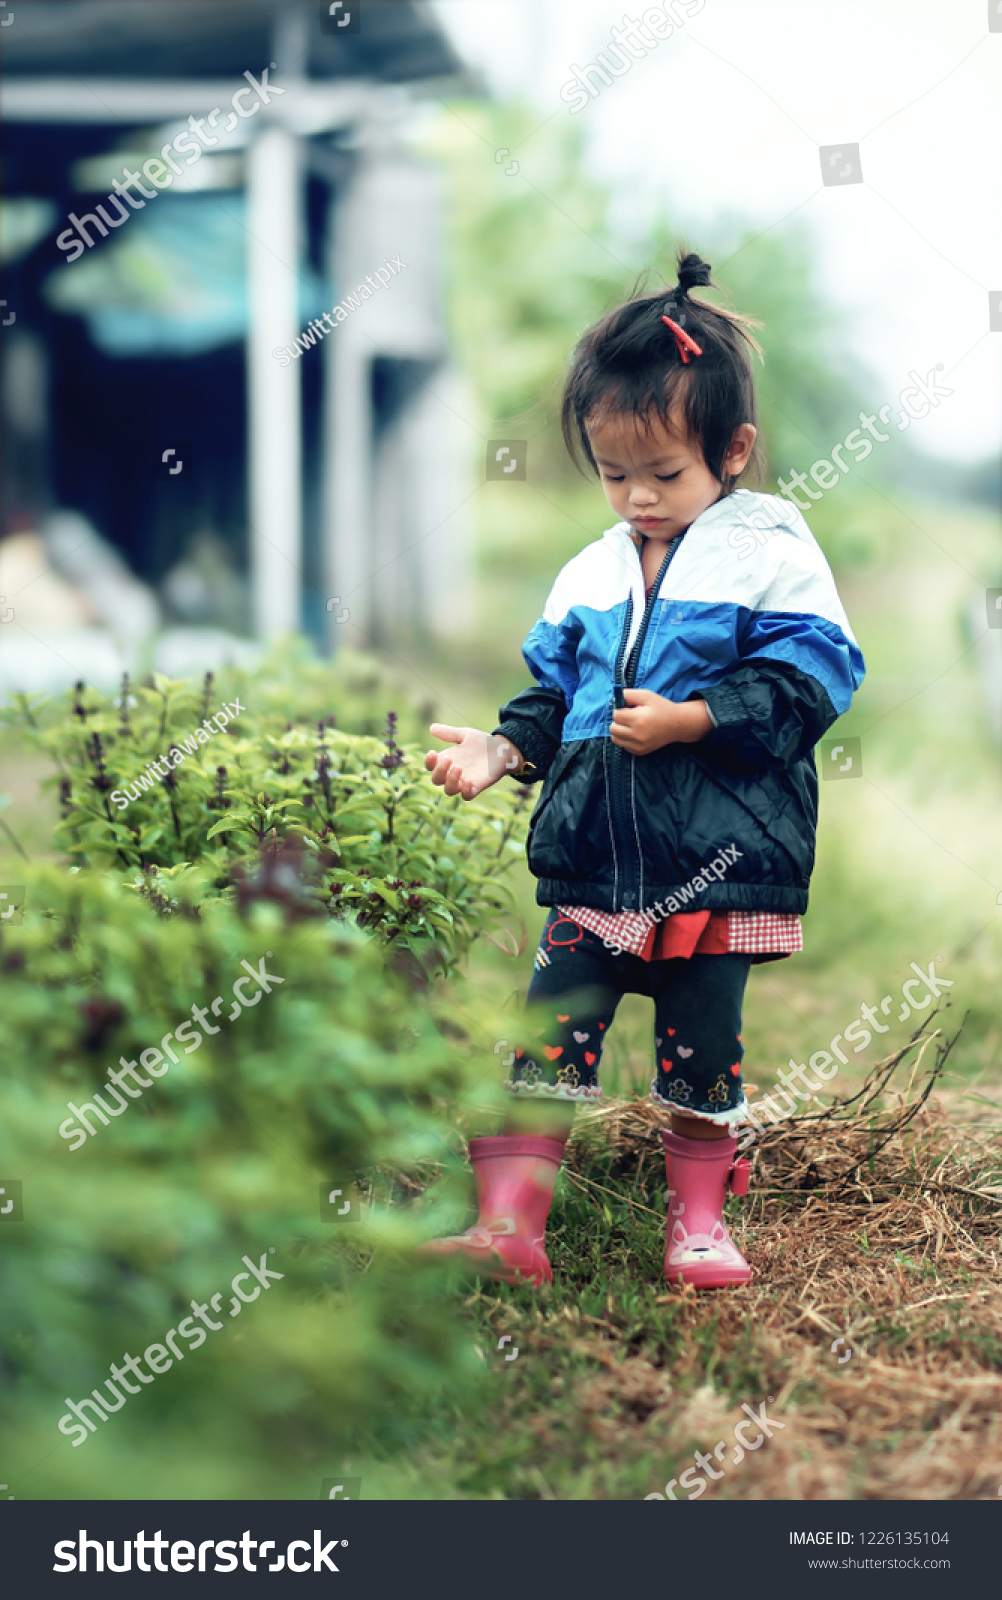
(686, 665)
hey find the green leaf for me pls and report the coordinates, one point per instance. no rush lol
(227, 826)
(389, 895)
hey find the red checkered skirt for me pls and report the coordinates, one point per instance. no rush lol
(688, 933)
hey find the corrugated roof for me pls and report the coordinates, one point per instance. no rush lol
(397, 41)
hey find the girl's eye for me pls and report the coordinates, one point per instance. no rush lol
(670, 477)
(609, 478)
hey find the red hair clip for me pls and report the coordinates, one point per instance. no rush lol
(685, 344)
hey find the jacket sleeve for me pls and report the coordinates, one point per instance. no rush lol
(799, 665)
(533, 719)
(766, 714)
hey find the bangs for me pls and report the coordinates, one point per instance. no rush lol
(646, 399)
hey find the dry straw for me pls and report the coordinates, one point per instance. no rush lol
(875, 1222)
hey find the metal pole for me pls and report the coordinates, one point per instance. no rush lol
(274, 403)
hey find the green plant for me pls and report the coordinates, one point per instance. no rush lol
(351, 817)
(324, 861)
(341, 1069)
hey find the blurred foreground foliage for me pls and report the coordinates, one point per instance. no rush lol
(342, 1077)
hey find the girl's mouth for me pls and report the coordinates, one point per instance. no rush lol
(648, 522)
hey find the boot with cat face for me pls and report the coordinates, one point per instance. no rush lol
(700, 1250)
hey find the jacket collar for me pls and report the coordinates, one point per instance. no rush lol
(730, 510)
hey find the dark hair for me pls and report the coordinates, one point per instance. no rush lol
(629, 364)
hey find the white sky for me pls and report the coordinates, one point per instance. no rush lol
(724, 119)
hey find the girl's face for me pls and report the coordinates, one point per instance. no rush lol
(654, 478)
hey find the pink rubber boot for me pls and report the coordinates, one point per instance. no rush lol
(515, 1177)
(700, 1250)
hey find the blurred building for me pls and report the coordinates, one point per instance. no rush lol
(177, 464)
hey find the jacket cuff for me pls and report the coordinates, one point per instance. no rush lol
(701, 696)
(534, 746)
(724, 706)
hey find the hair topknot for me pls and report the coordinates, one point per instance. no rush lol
(630, 364)
(692, 272)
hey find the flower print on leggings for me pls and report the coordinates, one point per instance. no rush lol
(679, 1090)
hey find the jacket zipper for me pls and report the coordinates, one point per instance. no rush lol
(634, 661)
(621, 652)
(625, 678)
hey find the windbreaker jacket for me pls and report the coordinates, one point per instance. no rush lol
(747, 618)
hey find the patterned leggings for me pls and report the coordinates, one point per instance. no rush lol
(577, 984)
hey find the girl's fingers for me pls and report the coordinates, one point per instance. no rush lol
(442, 730)
(449, 774)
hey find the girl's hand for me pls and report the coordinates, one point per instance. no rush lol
(649, 721)
(475, 762)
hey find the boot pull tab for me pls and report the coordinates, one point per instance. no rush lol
(737, 1178)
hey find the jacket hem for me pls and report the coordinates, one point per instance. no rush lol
(718, 897)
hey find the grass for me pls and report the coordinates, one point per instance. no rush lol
(873, 1223)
